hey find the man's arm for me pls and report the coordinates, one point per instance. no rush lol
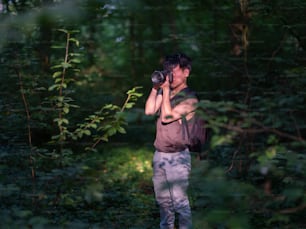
(185, 108)
(153, 102)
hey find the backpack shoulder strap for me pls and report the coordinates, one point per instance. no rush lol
(190, 93)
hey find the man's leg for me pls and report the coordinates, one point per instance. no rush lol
(162, 191)
(179, 177)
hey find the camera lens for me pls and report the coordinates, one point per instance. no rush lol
(158, 77)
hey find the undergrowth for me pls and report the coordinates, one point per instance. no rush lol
(110, 188)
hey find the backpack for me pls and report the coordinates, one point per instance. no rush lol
(195, 132)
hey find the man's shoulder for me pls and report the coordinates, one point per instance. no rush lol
(189, 93)
(185, 95)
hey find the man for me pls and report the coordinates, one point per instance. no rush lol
(171, 162)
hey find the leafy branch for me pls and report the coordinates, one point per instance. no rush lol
(104, 123)
(108, 121)
(61, 81)
(238, 118)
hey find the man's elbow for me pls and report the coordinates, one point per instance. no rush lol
(167, 119)
(148, 112)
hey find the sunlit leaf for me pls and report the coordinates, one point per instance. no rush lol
(65, 65)
(56, 74)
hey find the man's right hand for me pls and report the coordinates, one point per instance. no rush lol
(166, 84)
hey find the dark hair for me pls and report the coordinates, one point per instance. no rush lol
(180, 59)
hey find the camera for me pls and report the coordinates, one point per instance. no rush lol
(159, 77)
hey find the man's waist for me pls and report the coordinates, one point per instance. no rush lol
(171, 150)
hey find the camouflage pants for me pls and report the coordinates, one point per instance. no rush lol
(170, 180)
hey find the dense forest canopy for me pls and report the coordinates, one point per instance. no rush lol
(74, 78)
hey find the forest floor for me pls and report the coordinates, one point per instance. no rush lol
(110, 188)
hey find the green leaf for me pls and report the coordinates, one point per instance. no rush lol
(66, 110)
(74, 54)
(53, 87)
(75, 60)
(65, 65)
(271, 152)
(65, 121)
(121, 130)
(93, 125)
(56, 74)
(75, 41)
(111, 131)
(63, 30)
(129, 105)
(57, 66)
(58, 47)
(60, 98)
(87, 132)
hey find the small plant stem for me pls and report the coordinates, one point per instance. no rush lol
(28, 116)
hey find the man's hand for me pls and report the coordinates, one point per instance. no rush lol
(166, 84)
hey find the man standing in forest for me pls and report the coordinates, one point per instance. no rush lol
(172, 162)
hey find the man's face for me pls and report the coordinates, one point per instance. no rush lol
(179, 76)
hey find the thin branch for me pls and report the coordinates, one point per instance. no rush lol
(276, 50)
(232, 164)
(280, 133)
(262, 129)
(96, 143)
(293, 210)
(296, 126)
(25, 103)
(126, 101)
(28, 116)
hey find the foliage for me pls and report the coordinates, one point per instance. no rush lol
(107, 122)
(96, 190)
(255, 162)
(59, 94)
(112, 119)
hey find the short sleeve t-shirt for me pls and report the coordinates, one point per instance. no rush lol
(169, 137)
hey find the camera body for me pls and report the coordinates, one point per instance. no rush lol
(159, 77)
